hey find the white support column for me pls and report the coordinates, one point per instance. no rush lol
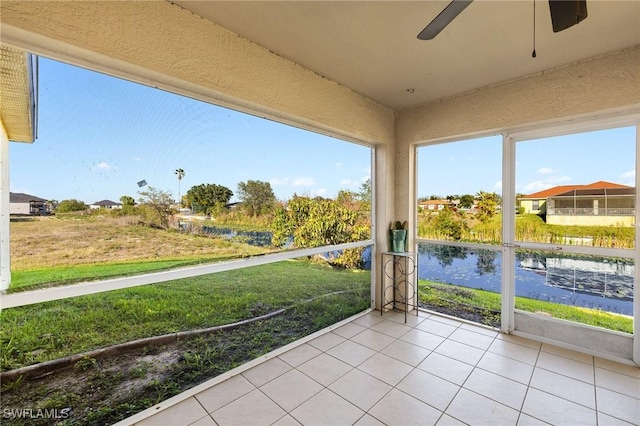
(636, 275)
(508, 231)
(5, 254)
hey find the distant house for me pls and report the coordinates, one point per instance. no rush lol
(106, 204)
(600, 203)
(435, 205)
(25, 204)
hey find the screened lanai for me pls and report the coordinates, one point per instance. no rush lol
(356, 71)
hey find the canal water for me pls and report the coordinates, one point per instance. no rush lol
(585, 281)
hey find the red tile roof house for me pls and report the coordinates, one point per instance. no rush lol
(599, 203)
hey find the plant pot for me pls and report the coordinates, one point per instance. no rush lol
(397, 240)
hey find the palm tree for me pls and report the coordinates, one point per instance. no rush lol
(180, 174)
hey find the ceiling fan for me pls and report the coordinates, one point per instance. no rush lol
(564, 14)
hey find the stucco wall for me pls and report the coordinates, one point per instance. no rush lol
(602, 84)
(177, 49)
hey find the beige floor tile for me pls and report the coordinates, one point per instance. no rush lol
(475, 409)
(351, 353)
(506, 367)
(555, 410)
(423, 339)
(299, 355)
(360, 389)
(325, 369)
(373, 339)
(522, 341)
(327, 341)
(252, 409)
(391, 328)
(565, 387)
(369, 319)
(385, 368)
(268, 370)
(526, 420)
(349, 330)
(490, 332)
(497, 388)
(447, 420)
(460, 351)
(428, 388)
(618, 405)
(629, 370)
(439, 328)
(471, 338)
(287, 421)
(606, 420)
(291, 389)
(567, 353)
(398, 408)
(367, 420)
(182, 413)
(406, 352)
(205, 421)
(327, 408)
(618, 382)
(446, 368)
(514, 351)
(412, 318)
(223, 393)
(567, 367)
(446, 320)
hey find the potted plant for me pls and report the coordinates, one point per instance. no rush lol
(398, 236)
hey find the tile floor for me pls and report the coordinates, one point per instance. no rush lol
(377, 370)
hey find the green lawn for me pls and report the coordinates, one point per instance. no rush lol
(50, 330)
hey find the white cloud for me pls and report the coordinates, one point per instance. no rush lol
(557, 179)
(319, 192)
(498, 186)
(545, 170)
(304, 181)
(536, 186)
(103, 166)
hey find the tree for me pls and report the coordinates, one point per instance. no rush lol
(127, 201)
(365, 191)
(257, 197)
(71, 205)
(159, 203)
(466, 201)
(314, 222)
(487, 205)
(207, 197)
(180, 174)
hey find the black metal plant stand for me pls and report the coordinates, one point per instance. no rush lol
(399, 277)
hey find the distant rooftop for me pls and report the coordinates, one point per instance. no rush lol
(562, 189)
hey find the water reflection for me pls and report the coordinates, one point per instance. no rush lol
(587, 281)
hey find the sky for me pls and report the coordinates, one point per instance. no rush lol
(98, 136)
(467, 167)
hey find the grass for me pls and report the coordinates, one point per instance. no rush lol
(457, 297)
(50, 330)
(50, 251)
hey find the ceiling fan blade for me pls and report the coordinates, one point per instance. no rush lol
(566, 13)
(447, 15)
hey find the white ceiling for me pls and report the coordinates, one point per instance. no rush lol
(372, 47)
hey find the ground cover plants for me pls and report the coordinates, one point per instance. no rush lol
(100, 391)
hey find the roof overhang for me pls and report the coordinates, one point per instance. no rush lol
(18, 94)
